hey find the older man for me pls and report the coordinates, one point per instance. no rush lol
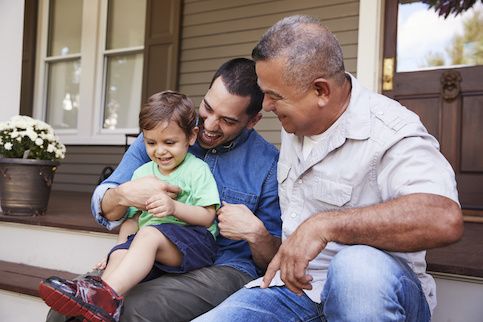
(363, 191)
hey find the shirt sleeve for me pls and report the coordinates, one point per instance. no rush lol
(134, 157)
(414, 164)
(204, 190)
(268, 209)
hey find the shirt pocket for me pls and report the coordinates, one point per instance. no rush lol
(237, 197)
(331, 192)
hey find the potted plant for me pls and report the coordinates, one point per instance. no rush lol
(29, 151)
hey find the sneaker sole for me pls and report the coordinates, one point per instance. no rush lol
(69, 306)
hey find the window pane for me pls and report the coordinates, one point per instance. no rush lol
(63, 94)
(123, 91)
(125, 27)
(65, 25)
(426, 40)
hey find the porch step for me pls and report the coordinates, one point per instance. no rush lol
(19, 299)
(66, 238)
(25, 279)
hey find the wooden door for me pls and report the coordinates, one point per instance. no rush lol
(449, 101)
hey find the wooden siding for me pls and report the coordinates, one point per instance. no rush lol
(82, 166)
(214, 31)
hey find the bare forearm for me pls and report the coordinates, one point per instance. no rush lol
(263, 247)
(195, 215)
(112, 204)
(409, 223)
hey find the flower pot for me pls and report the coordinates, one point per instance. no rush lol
(25, 185)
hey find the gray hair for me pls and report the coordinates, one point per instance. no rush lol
(309, 48)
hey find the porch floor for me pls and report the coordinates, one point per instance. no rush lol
(67, 209)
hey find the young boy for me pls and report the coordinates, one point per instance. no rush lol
(174, 236)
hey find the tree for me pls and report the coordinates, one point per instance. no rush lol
(446, 7)
(464, 49)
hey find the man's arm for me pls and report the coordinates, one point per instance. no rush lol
(134, 157)
(135, 193)
(237, 222)
(406, 224)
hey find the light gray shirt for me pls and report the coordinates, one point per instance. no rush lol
(377, 151)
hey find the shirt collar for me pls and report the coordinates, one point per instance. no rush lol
(357, 117)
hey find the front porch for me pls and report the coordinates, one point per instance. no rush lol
(67, 241)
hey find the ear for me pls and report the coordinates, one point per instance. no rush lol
(194, 135)
(254, 120)
(322, 90)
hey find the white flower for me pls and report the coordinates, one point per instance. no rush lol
(31, 134)
(23, 133)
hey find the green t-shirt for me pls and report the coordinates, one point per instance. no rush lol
(198, 188)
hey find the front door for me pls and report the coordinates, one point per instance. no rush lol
(437, 69)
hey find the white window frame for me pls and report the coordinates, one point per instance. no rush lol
(92, 85)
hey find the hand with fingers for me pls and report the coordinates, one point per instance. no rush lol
(101, 265)
(138, 191)
(293, 257)
(160, 205)
(237, 222)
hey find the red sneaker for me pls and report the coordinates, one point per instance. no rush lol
(89, 297)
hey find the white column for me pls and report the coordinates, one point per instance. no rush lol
(11, 35)
(370, 43)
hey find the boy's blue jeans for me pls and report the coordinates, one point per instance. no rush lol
(363, 284)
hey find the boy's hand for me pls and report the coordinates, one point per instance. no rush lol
(101, 265)
(160, 205)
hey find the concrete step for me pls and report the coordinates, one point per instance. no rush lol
(55, 248)
(66, 238)
(19, 301)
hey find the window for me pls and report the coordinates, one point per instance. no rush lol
(89, 68)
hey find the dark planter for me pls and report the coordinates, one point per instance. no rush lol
(25, 185)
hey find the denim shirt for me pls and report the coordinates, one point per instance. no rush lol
(245, 172)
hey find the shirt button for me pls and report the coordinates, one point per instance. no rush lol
(293, 215)
(213, 151)
(300, 181)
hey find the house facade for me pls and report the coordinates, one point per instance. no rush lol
(86, 67)
(181, 46)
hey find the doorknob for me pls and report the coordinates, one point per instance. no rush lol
(388, 74)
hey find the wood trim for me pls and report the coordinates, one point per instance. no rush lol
(28, 57)
(25, 279)
(475, 216)
(161, 46)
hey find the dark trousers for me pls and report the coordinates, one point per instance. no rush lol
(177, 297)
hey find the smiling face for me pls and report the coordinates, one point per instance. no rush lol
(223, 116)
(167, 145)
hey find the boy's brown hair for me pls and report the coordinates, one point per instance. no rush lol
(168, 106)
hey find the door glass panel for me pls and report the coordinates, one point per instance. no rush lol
(123, 91)
(63, 94)
(65, 25)
(428, 41)
(125, 27)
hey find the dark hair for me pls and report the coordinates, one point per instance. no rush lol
(168, 106)
(239, 77)
(309, 48)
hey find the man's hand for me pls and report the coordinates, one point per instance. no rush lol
(293, 257)
(137, 192)
(237, 222)
(160, 205)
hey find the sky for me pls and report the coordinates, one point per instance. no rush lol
(421, 31)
